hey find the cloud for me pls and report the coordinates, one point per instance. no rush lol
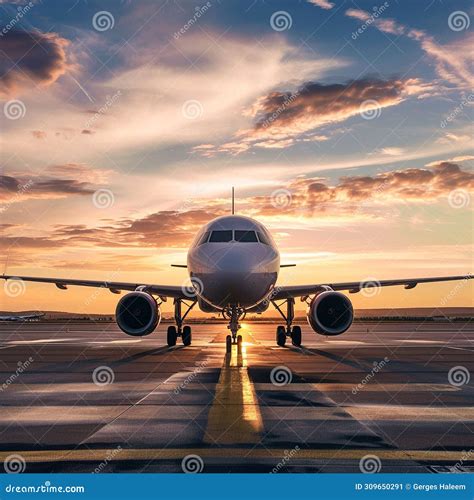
(15, 189)
(30, 58)
(414, 185)
(452, 61)
(284, 117)
(324, 4)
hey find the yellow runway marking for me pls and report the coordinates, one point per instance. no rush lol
(235, 415)
(178, 453)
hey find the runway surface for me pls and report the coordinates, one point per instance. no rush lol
(389, 397)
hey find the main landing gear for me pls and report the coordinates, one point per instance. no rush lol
(233, 314)
(294, 332)
(179, 331)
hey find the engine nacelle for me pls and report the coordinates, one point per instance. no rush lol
(137, 314)
(330, 313)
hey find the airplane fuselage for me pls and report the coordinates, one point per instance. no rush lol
(234, 261)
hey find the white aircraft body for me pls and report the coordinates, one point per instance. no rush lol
(233, 265)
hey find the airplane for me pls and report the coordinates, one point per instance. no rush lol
(21, 317)
(233, 266)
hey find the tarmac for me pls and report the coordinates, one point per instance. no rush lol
(81, 396)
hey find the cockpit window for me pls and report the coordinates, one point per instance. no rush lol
(220, 236)
(263, 238)
(246, 236)
(204, 238)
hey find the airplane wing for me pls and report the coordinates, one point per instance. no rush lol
(113, 286)
(286, 292)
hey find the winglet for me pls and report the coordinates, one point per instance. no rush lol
(233, 200)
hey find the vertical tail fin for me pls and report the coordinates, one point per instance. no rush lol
(233, 201)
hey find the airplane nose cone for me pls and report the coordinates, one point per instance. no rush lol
(234, 260)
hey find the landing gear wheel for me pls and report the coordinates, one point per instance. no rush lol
(228, 344)
(186, 335)
(296, 336)
(281, 336)
(239, 339)
(171, 336)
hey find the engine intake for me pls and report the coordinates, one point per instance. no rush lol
(137, 314)
(330, 313)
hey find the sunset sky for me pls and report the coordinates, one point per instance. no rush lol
(345, 127)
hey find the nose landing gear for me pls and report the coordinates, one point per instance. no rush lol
(294, 332)
(233, 314)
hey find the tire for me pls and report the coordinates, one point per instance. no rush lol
(171, 336)
(296, 336)
(228, 344)
(186, 335)
(239, 339)
(281, 336)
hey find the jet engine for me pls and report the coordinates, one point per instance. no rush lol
(330, 313)
(137, 314)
